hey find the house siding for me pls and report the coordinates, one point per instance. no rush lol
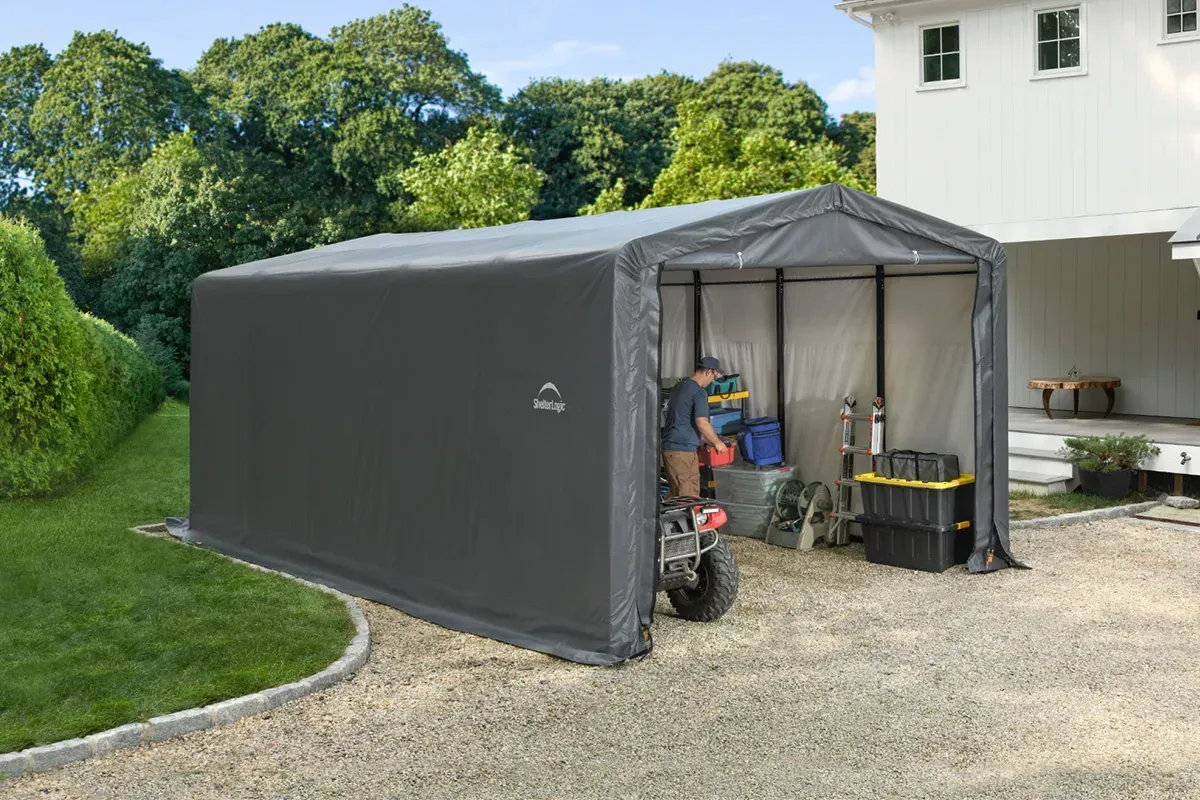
(1115, 306)
(1122, 139)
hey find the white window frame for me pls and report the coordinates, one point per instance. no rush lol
(1064, 72)
(933, 86)
(1182, 36)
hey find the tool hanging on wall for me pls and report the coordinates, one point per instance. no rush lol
(843, 515)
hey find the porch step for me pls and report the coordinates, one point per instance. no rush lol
(1037, 483)
(1046, 464)
(1034, 452)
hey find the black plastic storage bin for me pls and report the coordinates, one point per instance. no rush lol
(944, 503)
(929, 548)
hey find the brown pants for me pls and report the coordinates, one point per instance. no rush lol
(683, 473)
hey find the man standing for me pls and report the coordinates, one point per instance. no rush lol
(687, 423)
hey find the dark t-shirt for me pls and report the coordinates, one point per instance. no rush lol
(688, 401)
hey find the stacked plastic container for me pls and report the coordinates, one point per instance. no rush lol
(748, 496)
(923, 525)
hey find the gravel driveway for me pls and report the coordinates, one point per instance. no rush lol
(832, 678)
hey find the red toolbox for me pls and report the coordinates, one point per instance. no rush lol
(711, 458)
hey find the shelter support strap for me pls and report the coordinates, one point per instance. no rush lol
(697, 311)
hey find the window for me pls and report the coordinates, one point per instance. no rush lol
(1060, 40)
(1181, 17)
(941, 55)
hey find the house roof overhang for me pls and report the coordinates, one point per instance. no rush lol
(1185, 243)
(867, 12)
(872, 5)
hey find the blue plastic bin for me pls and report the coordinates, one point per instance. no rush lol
(725, 420)
(761, 444)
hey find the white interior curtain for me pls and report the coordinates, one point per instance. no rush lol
(829, 352)
(738, 328)
(677, 325)
(930, 366)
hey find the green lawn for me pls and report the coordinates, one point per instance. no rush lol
(1025, 505)
(100, 626)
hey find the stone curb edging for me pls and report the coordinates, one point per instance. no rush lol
(170, 726)
(1078, 517)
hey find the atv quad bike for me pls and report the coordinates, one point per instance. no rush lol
(695, 566)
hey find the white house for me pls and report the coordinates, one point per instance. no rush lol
(1070, 131)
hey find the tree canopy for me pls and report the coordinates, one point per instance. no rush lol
(473, 183)
(585, 136)
(103, 104)
(748, 96)
(715, 161)
(141, 178)
(856, 133)
(22, 70)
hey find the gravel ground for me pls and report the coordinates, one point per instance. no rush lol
(832, 678)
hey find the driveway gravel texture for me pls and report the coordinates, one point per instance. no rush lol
(831, 678)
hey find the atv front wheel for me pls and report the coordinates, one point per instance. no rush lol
(715, 588)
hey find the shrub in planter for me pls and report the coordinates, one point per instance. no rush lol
(70, 385)
(1107, 463)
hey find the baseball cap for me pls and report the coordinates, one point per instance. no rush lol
(708, 362)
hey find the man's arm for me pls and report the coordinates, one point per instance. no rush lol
(709, 435)
(700, 411)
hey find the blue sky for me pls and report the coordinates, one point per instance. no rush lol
(511, 42)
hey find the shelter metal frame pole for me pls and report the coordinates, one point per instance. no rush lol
(880, 335)
(772, 281)
(697, 312)
(779, 378)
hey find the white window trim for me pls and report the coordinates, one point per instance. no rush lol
(1173, 38)
(1069, 72)
(935, 86)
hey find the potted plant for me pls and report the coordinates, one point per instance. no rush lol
(1107, 463)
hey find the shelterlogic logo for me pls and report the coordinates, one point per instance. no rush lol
(549, 398)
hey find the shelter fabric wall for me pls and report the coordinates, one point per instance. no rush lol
(378, 432)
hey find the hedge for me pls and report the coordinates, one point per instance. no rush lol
(71, 386)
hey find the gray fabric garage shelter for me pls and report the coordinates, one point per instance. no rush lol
(464, 424)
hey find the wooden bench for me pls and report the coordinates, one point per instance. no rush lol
(1049, 385)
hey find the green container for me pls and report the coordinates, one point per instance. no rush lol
(725, 385)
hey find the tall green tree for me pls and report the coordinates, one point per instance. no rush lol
(341, 114)
(269, 92)
(473, 183)
(748, 96)
(585, 136)
(104, 103)
(749, 132)
(715, 162)
(196, 208)
(106, 214)
(399, 90)
(22, 70)
(855, 132)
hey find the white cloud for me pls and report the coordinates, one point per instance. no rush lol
(854, 88)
